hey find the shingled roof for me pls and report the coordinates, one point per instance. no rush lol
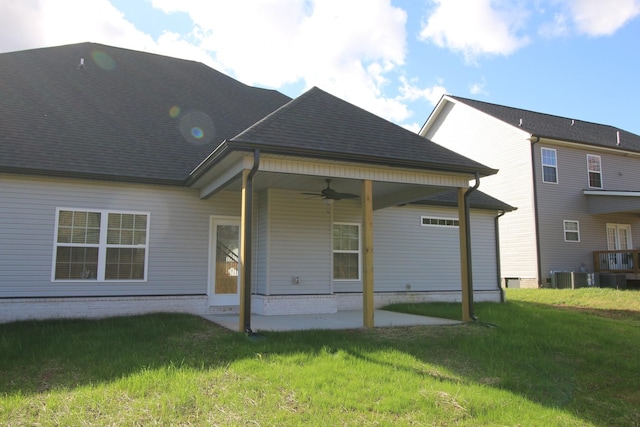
(336, 129)
(90, 110)
(477, 200)
(94, 111)
(558, 128)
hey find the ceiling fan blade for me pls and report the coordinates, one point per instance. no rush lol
(346, 196)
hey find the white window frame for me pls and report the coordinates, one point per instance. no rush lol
(350, 251)
(441, 222)
(102, 245)
(589, 171)
(544, 165)
(566, 230)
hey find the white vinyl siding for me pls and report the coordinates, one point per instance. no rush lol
(178, 238)
(410, 257)
(594, 171)
(299, 244)
(549, 165)
(571, 231)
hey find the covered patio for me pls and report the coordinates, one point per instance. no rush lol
(348, 319)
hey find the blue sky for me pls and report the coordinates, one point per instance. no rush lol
(395, 58)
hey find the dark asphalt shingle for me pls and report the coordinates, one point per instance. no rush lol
(124, 115)
(556, 127)
(322, 125)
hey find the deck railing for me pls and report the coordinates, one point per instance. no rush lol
(624, 261)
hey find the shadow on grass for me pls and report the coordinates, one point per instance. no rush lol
(585, 364)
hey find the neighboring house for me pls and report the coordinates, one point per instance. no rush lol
(576, 185)
(133, 182)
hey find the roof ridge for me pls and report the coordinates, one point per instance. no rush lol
(463, 99)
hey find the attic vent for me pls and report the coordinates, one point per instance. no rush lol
(618, 138)
(81, 65)
(573, 122)
(520, 123)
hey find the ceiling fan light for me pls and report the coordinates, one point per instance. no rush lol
(328, 202)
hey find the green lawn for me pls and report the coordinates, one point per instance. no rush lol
(552, 358)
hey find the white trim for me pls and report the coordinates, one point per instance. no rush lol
(423, 217)
(102, 245)
(611, 193)
(589, 171)
(565, 231)
(359, 251)
(542, 165)
(213, 298)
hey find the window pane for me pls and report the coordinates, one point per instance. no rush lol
(124, 264)
(345, 266)
(549, 174)
(345, 237)
(73, 263)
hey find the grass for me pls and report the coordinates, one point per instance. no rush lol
(555, 358)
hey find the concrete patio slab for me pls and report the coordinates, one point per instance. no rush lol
(340, 320)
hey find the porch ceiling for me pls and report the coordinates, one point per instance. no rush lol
(607, 202)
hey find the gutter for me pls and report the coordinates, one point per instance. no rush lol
(467, 217)
(496, 227)
(534, 141)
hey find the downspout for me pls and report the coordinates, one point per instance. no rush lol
(467, 218)
(496, 227)
(534, 141)
(248, 218)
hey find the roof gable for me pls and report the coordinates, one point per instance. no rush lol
(556, 127)
(321, 125)
(120, 114)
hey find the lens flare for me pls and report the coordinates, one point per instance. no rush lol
(196, 127)
(174, 112)
(197, 133)
(103, 60)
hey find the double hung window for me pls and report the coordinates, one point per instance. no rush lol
(100, 245)
(571, 231)
(346, 251)
(549, 165)
(594, 169)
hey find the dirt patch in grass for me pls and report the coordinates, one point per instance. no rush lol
(608, 313)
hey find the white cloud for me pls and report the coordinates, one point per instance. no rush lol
(346, 48)
(476, 27)
(599, 18)
(478, 88)
(410, 92)
(353, 49)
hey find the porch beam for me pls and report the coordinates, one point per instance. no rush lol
(464, 271)
(367, 254)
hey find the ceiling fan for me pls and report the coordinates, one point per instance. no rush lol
(331, 194)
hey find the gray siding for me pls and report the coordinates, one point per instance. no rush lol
(299, 244)
(260, 244)
(566, 201)
(504, 147)
(410, 256)
(178, 235)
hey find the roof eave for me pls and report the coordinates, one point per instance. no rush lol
(359, 158)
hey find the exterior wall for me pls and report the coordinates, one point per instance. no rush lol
(412, 257)
(505, 147)
(178, 235)
(299, 244)
(566, 201)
